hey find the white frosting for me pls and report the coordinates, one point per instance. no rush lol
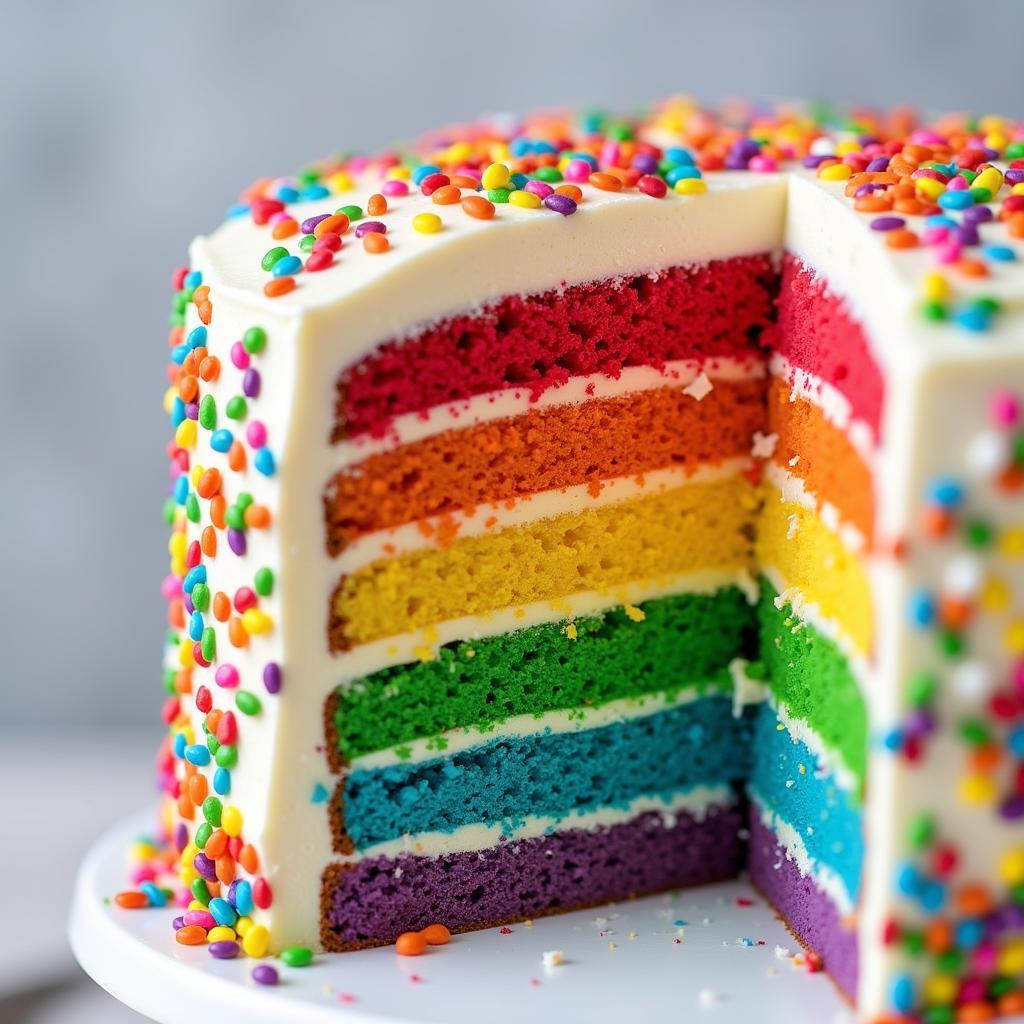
(425, 277)
(882, 288)
(549, 722)
(492, 518)
(825, 879)
(793, 491)
(829, 761)
(810, 613)
(834, 405)
(496, 405)
(258, 772)
(696, 802)
(414, 646)
(929, 442)
(933, 369)
(748, 689)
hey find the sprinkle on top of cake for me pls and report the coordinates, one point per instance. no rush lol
(926, 184)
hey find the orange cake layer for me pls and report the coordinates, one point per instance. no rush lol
(541, 450)
(812, 448)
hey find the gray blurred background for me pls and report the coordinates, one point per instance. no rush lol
(127, 127)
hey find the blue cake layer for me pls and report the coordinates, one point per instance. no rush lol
(786, 779)
(503, 781)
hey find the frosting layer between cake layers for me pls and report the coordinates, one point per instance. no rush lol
(816, 621)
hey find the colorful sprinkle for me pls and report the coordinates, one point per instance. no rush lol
(411, 944)
(264, 974)
(297, 956)
(427, 223)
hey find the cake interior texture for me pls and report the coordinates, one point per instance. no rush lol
(653, 541)
(634, 749)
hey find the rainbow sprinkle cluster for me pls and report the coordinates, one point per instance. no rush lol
(207, 868)
(214, 858)
(927, 186)
(972, 938)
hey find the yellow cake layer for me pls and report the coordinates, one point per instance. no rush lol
(706, 525)
(805, 554)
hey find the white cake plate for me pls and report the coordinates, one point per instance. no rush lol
(631, 961)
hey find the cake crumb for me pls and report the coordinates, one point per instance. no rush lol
(764, 445)
(552, 958)
(793, 527)
(700, 387)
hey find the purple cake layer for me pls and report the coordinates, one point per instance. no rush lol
(809, 913)
(375, 900)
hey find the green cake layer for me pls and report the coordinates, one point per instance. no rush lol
(679, 642)
(809, 674)
(684, 641)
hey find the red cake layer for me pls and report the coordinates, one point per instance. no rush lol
(816, 333)
(538, 341)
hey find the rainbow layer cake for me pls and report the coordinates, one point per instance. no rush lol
(566, 509)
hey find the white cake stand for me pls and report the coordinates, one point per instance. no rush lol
(631, 961)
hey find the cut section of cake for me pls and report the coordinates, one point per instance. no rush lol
(574, 511)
